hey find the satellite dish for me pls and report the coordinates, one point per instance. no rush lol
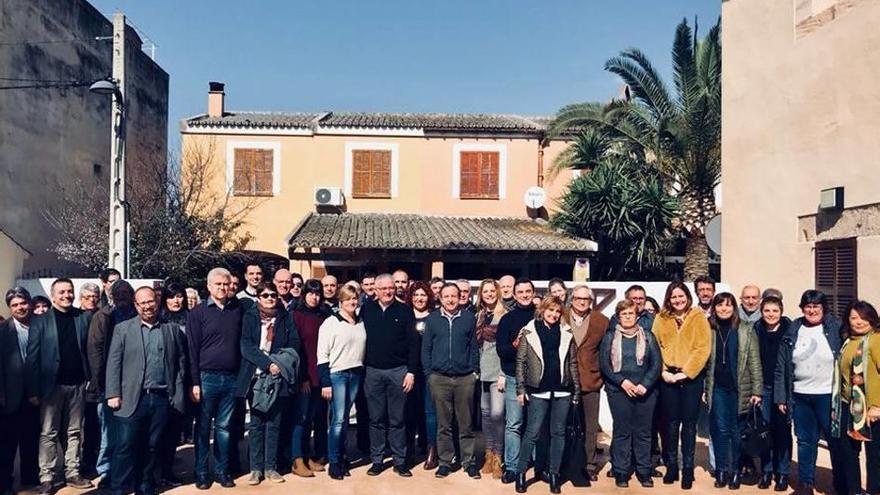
(535, 197)
(713, 234)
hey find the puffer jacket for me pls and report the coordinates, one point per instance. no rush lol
(749, 377)
(530, 360)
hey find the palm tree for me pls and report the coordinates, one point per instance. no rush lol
(678, 134)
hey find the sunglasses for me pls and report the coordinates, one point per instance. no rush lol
(268, 295)
(298, 284)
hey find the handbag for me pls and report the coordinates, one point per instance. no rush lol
(575, 458)
(755, 439)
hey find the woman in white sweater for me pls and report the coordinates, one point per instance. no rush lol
(342, 341)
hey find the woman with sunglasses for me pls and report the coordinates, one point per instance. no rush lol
(310, 410)
(342, 341)
(266, 330)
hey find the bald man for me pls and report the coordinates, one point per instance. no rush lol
(506, 283)
(283, 284)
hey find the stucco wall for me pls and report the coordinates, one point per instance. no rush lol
(12, 258)
(52, 138)
(801, 114)
(425, 183)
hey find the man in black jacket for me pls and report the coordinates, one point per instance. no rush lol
(451, 361)
(19, 419)
(56, 377)
(391, 359)
(507, 342)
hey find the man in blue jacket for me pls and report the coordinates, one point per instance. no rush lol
(451, 360)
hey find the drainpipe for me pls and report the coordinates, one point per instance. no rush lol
(541, 162)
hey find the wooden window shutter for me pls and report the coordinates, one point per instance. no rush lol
(837, 273)
(253, 172)
(371, 174)
(478, 175)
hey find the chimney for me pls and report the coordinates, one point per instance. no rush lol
(216, 96)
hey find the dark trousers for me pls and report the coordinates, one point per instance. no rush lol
(264, 430)
(386, 401)
(236, 435)
(631, 436)
(310, 417)
(91, 438)
(218, 401)
(454, 396)
(777, 459)
(539, 410)
(137, 452)
(850, 466)
(19, 432)
(171, 437)
(362, 420)
(681, 408)
(590, 403)
(725, 429)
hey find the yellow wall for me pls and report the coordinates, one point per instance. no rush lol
(425, 179)
(12, 258)
(801, 114)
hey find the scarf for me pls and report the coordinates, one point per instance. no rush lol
(617, 345)
(487, 326)
(579, 328)
(268, 315)
(859, 429)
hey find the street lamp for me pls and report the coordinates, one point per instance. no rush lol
(119, 221)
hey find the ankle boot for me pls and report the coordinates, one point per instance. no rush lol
(671, 475)
(431, 461)
(489, 462)
(721, 479)
(687, 479)
(734, 481)
(301, 469)
(521, 483)
(555, 484)
(766, 479)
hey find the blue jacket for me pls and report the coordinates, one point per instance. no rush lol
(286, 336)
(449, 345)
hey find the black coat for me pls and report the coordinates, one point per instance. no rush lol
(11, 369)
(252, 357)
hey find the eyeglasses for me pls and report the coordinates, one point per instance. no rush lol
(268, 295)
(582, 299)
(298, 285)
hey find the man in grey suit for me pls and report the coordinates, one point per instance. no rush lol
(145, 376)
(19, 419)
(55, 379)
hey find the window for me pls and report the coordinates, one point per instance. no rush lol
(371, 173)
(253, 172)
(479, 175)
(836, 270)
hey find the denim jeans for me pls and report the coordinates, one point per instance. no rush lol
(778, 459)
(513, 420)
(310, 416)
(137, 450)
(539, 411)
(264, 429)
(218, 401)
(492, 410)
(345, 386)
(724, 426)
(812, 415)
(108, 438)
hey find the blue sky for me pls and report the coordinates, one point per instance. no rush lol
(485, 56)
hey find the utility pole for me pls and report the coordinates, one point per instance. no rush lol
(119, 225)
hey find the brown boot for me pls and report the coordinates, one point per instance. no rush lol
(498, 468)
(431, 461)
(317, 465)
(489, 462)
(300, 468)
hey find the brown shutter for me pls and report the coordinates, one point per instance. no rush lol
(263, 170)
(469, 175)
(836, 273)
(253, 172)
(371, 174)
(479, 175)
(489, 175)
(360, 178)
(241, 182)
(381, 173)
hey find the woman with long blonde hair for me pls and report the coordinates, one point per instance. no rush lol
(489, 313)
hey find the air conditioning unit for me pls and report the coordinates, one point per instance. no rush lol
(328, 196)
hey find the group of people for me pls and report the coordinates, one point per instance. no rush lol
(121, 381)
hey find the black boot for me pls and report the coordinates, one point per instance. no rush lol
(555, 484)
(621, 481)
(687, 479)
(766, 479)
(734, 482)
(721, 479)
(671, 475)
(521, 483)
(781, 483)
